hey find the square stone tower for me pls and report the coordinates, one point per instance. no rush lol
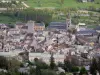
(30, 25)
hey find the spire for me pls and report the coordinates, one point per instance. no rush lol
(68, 19)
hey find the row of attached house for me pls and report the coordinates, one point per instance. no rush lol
(86, 35)
(32, 26)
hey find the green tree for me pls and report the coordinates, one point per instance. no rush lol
(83, 71)
(52, 62)
(3, 63)
(62, 73)
(93, 66)
(74, 70)
(12, 73)
(40, 65)
(98, 65)
(3, 73)
(13, 64)
(62, 1)
(90, 14)
(67, 65)
(32, 71)
(48, 72)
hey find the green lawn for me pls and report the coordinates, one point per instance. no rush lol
(7, 20)
(57, 3)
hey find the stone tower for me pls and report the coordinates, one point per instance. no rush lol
(30, 25)
(68, 20)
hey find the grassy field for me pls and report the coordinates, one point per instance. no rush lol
(7, 20)
(57, 3)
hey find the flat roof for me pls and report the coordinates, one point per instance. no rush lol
(81, 24)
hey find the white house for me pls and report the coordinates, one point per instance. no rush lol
(81, 26)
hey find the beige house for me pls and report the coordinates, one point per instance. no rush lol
(34, 26)
(39, 26)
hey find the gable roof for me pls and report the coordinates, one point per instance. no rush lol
(97, 28)
(87, 32)
(57, 25)
(40, 24)
(20, 23)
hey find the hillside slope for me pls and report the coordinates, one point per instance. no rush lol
(57, 3)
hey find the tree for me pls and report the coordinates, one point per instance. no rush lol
(62, 73)
(11, 25)
(83, 71)
(74, 70)
(62, 1)
(92, 8)
(48, 72)
(3, 63)
(13, 73)
(67, 65)
(36, 60)
(52, 62)
(3, 73)
(90, 14)
(98, 65)
(13, 64)
(32, 71)
(93, 66)
(38, 65)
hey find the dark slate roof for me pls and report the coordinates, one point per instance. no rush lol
(87, 32)
(39, 24)
(1, 24)
(57, 25)
(20, 23)
(97, 28)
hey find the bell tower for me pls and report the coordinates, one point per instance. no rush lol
(30, 25)
(68, 20)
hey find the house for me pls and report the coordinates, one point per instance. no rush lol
(97, 29)
(24, 70)
(24, 29)
(6, 1)
(87, 32)
(13, 31)
(39, 26)
(87, 36)
(3, 26)
(19, 25)
(86, 1)
(62, 26)
(81, 26)
(34, 26)
(86, 41)
(46, 57)
(79, 61)
(60, 70)
(90, 0)
(3, 70)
